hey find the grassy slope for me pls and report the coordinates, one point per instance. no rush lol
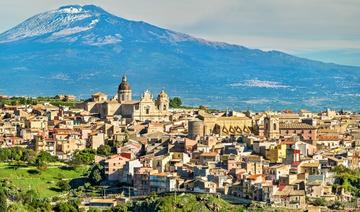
(192, 202)
(44, 182)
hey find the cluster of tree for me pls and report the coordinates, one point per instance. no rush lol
(175, 102)
(187, 202)
(23, 200)
(104, 150)
(38, 100)
(19, 101)
(319, 201)
(71, 205)
(19, 156)
(63, 185)
(83, 157)
(43, 158)
(347, 179)
(96, 174)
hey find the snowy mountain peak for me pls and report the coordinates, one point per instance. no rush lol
(91, 25)
(75, 9)
(73, 18)
(71, 9)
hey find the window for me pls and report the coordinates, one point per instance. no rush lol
(147, 111)
(164, 107)
(274, 126)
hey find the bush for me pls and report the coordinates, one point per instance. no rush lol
(63, 185)
(33, 171)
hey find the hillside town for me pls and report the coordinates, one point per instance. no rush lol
(284, 159)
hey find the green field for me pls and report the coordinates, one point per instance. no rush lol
(44, 182)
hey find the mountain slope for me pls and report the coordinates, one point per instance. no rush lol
(83, 49)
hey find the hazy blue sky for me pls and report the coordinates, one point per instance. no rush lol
(327, 30)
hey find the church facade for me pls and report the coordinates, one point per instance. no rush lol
(122, 105)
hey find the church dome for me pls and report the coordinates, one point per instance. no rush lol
(124, 85)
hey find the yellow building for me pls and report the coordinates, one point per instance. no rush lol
(276, 154)
(225, 125)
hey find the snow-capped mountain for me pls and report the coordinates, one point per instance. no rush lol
(89, 25)
(83, 49)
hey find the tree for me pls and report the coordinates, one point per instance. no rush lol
(29, 196)
(5, 154)
(3, 201)
(40, 164)
(104, 150)
(16, 153)
(83, 157)
(63, 185)
(45, 157)
(96, 174)
(175, 102)
(29, 156)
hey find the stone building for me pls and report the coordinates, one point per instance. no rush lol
(271, 127)
(145, 109)
(224, 125)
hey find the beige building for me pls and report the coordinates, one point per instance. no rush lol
(271, 127)
(145, 109)
(224, 125)
(66, 148)
(97, 140)
(113, 167)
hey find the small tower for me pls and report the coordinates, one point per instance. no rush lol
(162, 101)
(124, 91)
(271, 127)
